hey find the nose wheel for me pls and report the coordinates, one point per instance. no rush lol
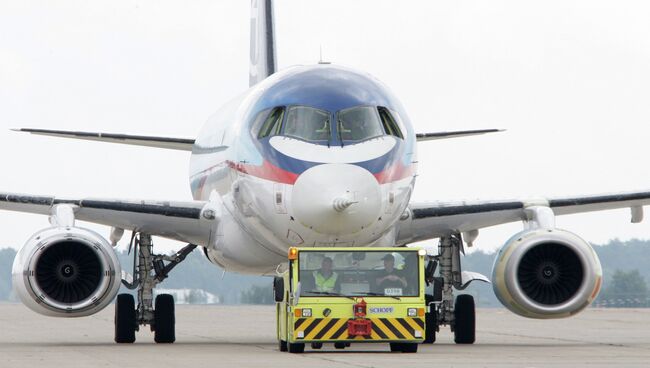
(149, 271)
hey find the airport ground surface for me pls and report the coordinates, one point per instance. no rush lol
(243, 336)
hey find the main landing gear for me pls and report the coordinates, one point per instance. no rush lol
(459, 313)
(149, 270)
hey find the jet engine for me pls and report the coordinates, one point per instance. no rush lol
(546, 273)
(66, 272)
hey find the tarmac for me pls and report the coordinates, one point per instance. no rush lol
(244, 336)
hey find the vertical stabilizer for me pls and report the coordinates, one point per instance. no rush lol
(262, 47)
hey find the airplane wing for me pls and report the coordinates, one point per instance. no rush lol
(180, 144)
(435, 219)
(183, 221)
(421, 137)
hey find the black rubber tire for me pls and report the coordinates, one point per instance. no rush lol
(339, 345)
(282, 345)
(464, 320)
(164, 320)
(403, 347)
(125, 320)
(409, 348)
(296, 348)
(316, 345)
(430, 321)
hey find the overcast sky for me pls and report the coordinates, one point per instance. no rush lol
(569, 80)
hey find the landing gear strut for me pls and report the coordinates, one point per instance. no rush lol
(149, 270)
(458, 313)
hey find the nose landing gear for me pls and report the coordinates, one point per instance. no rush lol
(149, 271)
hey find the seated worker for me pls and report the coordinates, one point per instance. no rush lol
(390, 277)
(325, 279)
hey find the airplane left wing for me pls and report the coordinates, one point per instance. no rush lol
(183, 221)
(436, 219)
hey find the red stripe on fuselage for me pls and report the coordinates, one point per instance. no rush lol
(273, 173)
(267, 171)
(394, 173)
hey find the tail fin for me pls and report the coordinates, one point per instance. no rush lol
(262, 47)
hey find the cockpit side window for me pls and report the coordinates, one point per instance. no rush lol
(273, 124)
(307, 123)
(359, 123)
(388, 121)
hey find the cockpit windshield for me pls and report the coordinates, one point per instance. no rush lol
(307, 123)
(359, 123)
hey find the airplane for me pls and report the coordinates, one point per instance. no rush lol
(316, 155)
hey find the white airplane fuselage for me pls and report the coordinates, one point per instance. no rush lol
(280, 190)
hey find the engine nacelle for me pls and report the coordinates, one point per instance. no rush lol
(546, 273)
(66, 272)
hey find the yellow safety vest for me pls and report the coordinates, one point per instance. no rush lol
(325, 284)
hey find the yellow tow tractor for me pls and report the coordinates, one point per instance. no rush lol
(353, 295)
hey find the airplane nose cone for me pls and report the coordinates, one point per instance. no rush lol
(336, 199)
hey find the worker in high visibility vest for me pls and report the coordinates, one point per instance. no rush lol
(325, 279)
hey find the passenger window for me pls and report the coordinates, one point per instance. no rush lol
(307, 123)
(390, 125)
(273, 124)
(359, 123)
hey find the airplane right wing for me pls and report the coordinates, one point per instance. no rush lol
(429, 220)
(421, 137)
(180, 144)
(188, 222)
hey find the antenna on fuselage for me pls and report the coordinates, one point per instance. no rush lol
(320, 60)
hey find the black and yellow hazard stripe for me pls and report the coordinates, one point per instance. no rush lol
(337, 329)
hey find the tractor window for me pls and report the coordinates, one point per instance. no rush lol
(273, 123)
(307, 123)
(359, 273)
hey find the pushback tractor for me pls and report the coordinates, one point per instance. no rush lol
(345, 296)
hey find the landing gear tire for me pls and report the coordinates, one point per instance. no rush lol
(297, 348)
(431, 321)
(125, 321)
(403, 347)
(164, 319)
(282, 345)
(464, 320)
